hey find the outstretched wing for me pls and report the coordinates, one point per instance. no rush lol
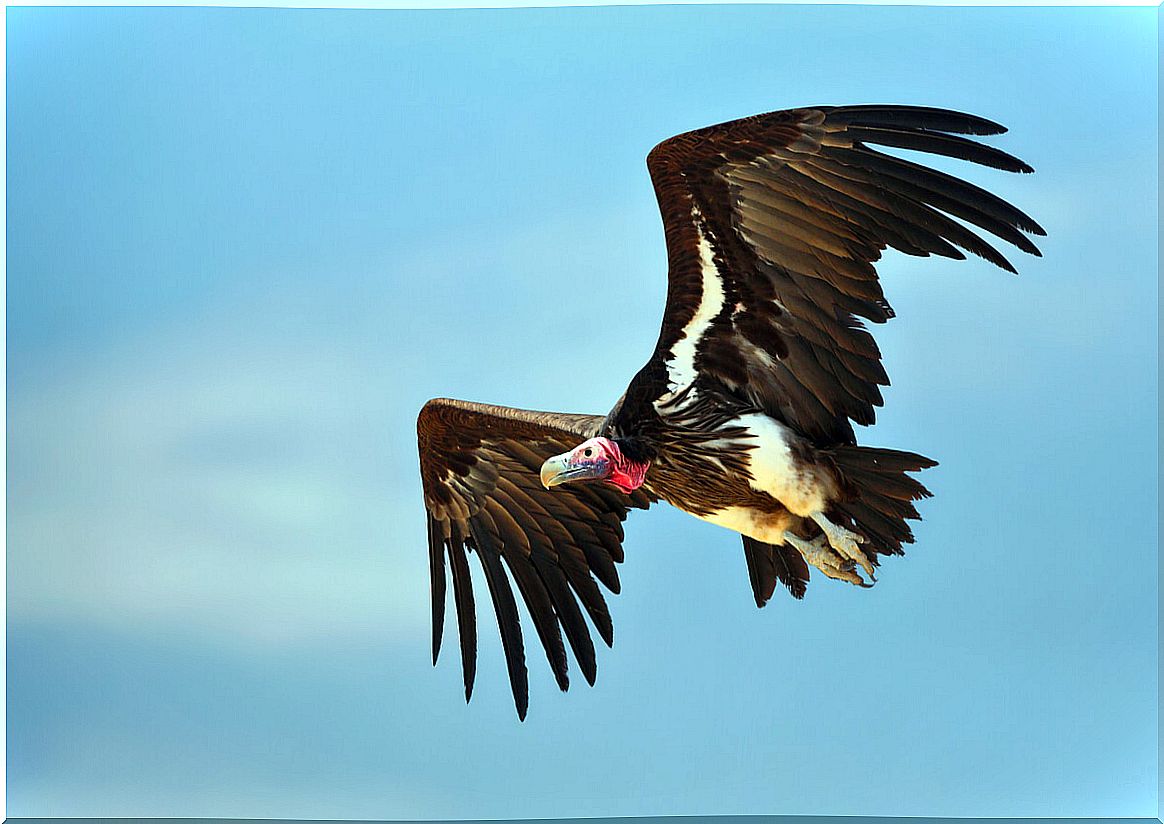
(479, 466)
(773, 224)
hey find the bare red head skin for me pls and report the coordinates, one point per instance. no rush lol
(598, 459)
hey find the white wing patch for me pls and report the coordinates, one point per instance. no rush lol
(681, 364)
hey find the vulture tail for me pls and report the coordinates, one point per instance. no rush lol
(768, 564)
(880, 494)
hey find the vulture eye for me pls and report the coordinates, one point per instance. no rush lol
(589, 451)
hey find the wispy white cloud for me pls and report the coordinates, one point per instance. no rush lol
(218, 481)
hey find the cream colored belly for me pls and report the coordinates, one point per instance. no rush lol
(774, 469)
(768, 527)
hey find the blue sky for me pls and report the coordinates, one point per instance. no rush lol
(245, 246)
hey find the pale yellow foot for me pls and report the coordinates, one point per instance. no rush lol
(819, 554)
(845, 543)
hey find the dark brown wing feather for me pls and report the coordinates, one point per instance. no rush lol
(480, 470)
(796, 207)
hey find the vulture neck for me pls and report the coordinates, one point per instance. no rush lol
(627, 474)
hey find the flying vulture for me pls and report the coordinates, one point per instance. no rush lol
(743, 415)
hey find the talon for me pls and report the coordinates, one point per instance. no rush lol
(825, 558)
(844, 542)
(839, 574)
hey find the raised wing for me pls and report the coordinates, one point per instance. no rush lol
(479, 466)
(773, 224)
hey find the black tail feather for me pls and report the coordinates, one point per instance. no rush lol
(768, 564)
(880, 494)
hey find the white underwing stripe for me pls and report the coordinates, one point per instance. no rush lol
(681, 364)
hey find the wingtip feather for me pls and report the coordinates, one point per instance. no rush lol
(918, 117)
(590, 674)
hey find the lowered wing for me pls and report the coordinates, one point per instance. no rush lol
(479, 467)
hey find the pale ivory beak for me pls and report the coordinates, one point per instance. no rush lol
(560, 469)
(556, 470)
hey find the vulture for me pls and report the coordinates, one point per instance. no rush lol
(743, 415)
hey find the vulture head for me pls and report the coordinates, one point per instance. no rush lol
(598, 459)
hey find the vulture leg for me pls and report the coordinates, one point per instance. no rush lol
(818, 553)
(845, 542)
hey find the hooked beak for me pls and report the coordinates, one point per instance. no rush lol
(560, 469)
